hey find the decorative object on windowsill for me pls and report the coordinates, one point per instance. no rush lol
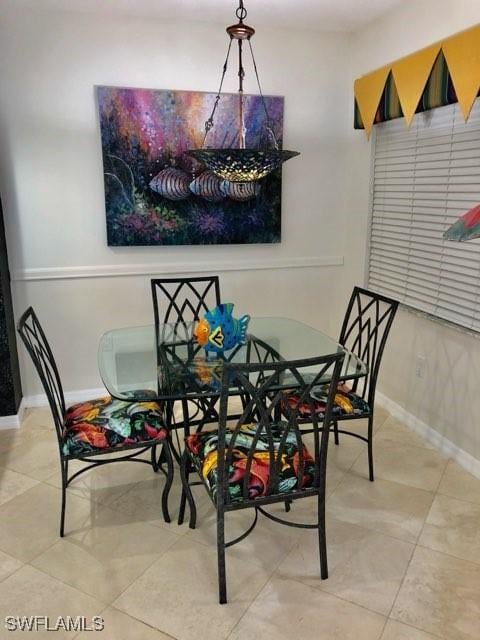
(241, 164)
(219, 331)
(443, 73)
(467, 227)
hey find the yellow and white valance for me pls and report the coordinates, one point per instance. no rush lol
(443, 73)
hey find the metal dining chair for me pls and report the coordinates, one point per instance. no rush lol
(365, 328)
(99, 427)
(262, 461)
(179, 302)
(255, 351)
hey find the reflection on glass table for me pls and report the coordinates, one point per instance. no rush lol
(136, 362)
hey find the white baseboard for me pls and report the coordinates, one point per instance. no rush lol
(13, 422)
(464, 459)
(71, 397)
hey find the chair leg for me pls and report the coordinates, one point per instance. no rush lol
(335, 432)
(183, 498)
(222, 577)
(370, 448)
(287, 505)
(168, 482)
(186, 494)
(64, 470)
(155, 462)
(322, 537)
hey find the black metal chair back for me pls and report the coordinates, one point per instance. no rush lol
(364, 332)
(183, 300)
(39, 350)
(263, 385)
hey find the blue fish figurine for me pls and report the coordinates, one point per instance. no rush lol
(219, 331)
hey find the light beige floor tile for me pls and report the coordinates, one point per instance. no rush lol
(346, 452)
(36, 421)
(38, 418)
(440, 595)
(360, 426)
(107, 483)
(334, 477)
(301, 511)
(179, 593)
(387, 507)
(365, 567)
(8, 565)
(398, 631)
(453, 526)
(103, 559)
(30, 522)
(286, 609)
(413, 466)
(23, 436)
(342, 455)
(119, 626)
(11, 438)
(36, 457)
(393, 431)
(380, 416)
(458, 483)
(30, 592)
(266, 546)
(13, 484)
(142, 502)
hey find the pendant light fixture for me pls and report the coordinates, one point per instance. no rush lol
(241, 164)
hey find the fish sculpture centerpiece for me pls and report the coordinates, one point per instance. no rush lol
(219, 331)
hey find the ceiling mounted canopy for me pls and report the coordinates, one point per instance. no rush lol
(443, 73)
(241, 164)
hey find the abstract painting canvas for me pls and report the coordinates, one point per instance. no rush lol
(155, 194)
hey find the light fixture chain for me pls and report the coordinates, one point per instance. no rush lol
(209, 121)
(242, 166)
(241, 12)
(269, 123)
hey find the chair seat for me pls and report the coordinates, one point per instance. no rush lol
(346, 403)
(203, 451)
(106, 423)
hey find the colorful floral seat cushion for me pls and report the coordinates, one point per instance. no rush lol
(346, 402)
(203, 451)
(105, 423)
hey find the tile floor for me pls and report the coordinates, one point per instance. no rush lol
(404, 551)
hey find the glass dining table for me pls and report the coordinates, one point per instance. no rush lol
(167, 364)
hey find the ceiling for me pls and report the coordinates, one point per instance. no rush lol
(324, 15)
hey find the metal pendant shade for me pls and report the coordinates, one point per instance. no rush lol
(241, 164)
(467, 227)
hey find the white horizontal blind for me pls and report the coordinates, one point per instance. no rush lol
(424, 178)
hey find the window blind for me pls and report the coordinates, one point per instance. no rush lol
(424, 178)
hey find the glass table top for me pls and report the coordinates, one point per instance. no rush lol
(136, 363)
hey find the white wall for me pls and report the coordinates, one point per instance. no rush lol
(447, 398)
(51, 184)
(52, 187)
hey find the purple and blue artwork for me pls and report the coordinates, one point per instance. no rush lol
(155, 194)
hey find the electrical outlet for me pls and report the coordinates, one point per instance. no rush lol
(420, 363)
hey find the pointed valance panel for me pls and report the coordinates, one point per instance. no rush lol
(445, 72)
